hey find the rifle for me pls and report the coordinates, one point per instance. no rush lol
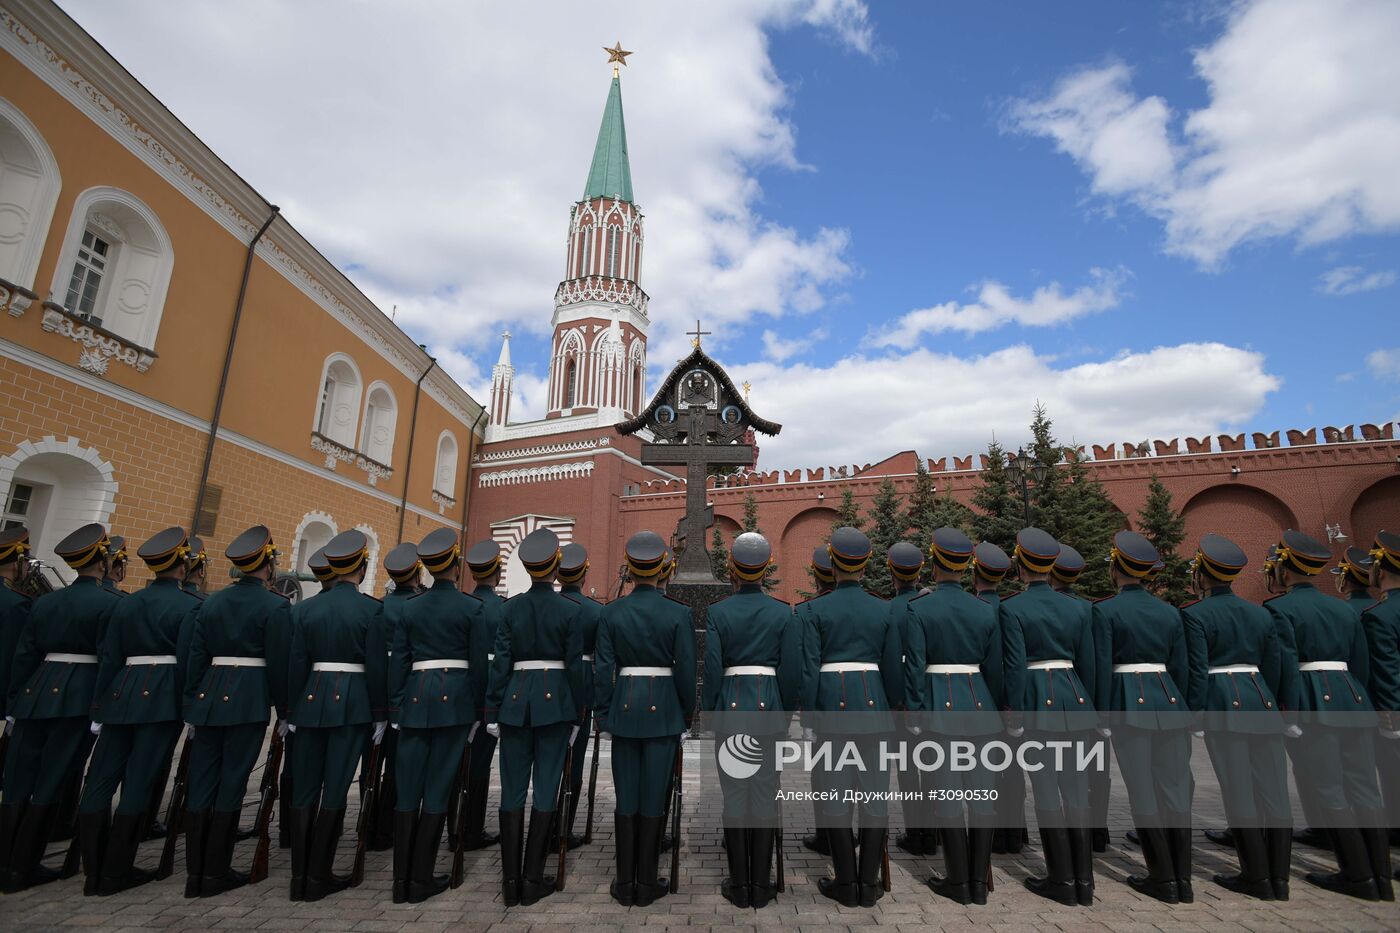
(262, 824)
(459, 867)
(778, 846)
(72, 861)
(676, 820)
(885, 863)
(364, 826)
(592, 787)
(566, 792)
(175, 814)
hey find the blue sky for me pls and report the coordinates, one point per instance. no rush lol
(1159, 219)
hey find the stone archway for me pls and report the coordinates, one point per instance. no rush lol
(64, 485)
(1247, 515)
(313, 533)
(1377, 508)
(803, 533)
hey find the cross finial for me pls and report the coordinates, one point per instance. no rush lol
(747, 386)
(696, 334)
(505, 334)
(616, 56)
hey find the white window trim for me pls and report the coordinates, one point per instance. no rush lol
(37, 233)
(364, 425)
(437, 463)
(321, 385)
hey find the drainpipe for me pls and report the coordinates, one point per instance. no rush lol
(412, 430)
(228, 364)
(467, 489)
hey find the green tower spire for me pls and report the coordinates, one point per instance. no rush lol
(610, 175)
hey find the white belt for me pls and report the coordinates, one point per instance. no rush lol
(750, 670)
(953, 669)
(338, 668)
(1055, 665)
(537, 666)
(59, 657)
(491, 656)
(441, 664)
(1234, 669)
(138, 659)
(1139, 668)
(644, 672)
(1322, 666)
(229, 661)
(587, 657)
(848, 667)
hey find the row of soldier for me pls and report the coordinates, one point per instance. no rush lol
(342, 668)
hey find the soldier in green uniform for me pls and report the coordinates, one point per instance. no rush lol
(1326, 666)
(953, 682)
(237, 674)
(136, 714)
(1140, 640)
(906, 563)
(1381, 622)
(405, 571)
(1235, 667)
(753, 665)
(484, 562)
(439, 666)
(52, 681)
(320, 569)
(14, 611)
(1353, 573)
(196, 569)
(853, 662)
(533, 704)
(1048, 654)
(338, 686)
(1068, 566)
(822, 579)
(116, 573)
(990, 565)
(644, 696)
(573, 573)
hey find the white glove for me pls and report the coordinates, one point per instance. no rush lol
(604, 736)
(291, 727)
(95, 728)
(916, 730)
(9, 724)
(1292, 732)
(1200, 734)
(1104, 732)
(809, 735)
(394, 726)
(283, 727)
(684, 735)
(1017, 732)
(1390, 735)
(189, 732)
(379, 729)
(573, 734)
(493, 729)
(471, 734)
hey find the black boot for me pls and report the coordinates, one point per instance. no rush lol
(30, 836)
(650, 888)
(405, 821)
(624, 886)
(843, 888)
(512, 852)
(10, 816)
(1353, 877)
(817, 842)
(762, 888)
(422, 883)
(92, 841)
(478, 788)
(284, 824)
(979, 863)
(321, 880)
(1160, 880)
(119, 871)
(1099, 837)
(911, 840)
(196, 830)
(1315, 838)
(954, 884)
(383, 838)
(1179, 840)
(932, 838)
(735, 888)
(1278, 847)
(1058, 882)
(1223, 837)
(1081, 858)
(1375, 836)
(1253, 877)
(872, 852)
(299, 823)
(534, 884)
(219, 875)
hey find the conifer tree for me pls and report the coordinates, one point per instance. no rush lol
(848, 513)
(719, 555)
(888, 524)
(998, 509)
(1086, 519)
(1165, 527)
(750, 523)
(931, 509)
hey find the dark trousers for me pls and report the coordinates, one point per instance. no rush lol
(1156, 769)
(324, 761)
(44, 754)
(1253, 778)
(426, 767)
(580, 755)
(1063, 791)
(642, 770)
(953, 792)
(221, 759)
(1339, 765)
(132, 757)
(1388, 767)
(532, 752)
(873, 779)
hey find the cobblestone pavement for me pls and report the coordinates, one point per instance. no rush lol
(585, 905)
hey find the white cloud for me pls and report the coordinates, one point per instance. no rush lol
(1384, 364)
(996, 306)
(439, 168)
(945, 405)
(780, 349)
(1349, 280)
(1300, 137)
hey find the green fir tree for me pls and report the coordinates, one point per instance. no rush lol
(1165, 527)
(1086, 519)
(719, 555)
(998, 509)
(888, 525)
(750, 523)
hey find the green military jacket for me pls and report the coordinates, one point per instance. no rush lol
(72, 620)
(157, 620)
(14, 612)
(751, 628)
(849, 625)
(340, 626)
(536, 625)
(590, 611)
(440, 623)
(1135, 627)
(194, 590)
(948, 625)
(395, 602)
(645, 629)
(1360, 601)
(245, 620)
(1381, 623)
(1223, 630)
(491, 606)
(1312, 626)
(1039, 624)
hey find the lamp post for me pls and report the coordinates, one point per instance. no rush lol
(1023, 469)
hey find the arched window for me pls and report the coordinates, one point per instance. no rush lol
(339, 405)
(29, 184)
(637, 387)
(445, 473)
(115, 265)
(585, 256)
(570, 382)
(381, 414)
(614, 250)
